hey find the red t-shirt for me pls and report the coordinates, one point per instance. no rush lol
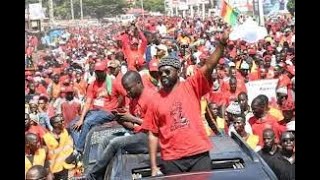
(70, 110)
(176, 118)
(146, 80)
(138, 107)
(241, 86)
(269, 122)
(135, 58)
(253, 76)
(216, 97)
(284, 81)
(93, 91)
(38, 130)
(40, 89)
(228, 97)
(117, 91)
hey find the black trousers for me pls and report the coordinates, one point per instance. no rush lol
(199, 162)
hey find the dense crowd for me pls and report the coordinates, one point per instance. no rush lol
(171, 82)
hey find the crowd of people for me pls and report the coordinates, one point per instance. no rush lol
(161, 80)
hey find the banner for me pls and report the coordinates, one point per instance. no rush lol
(266, 87)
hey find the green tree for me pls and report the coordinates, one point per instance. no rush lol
(102, 8)
(93, 8)
(291, 6)
(153, 5)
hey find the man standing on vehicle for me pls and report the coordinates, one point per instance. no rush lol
(176, 113)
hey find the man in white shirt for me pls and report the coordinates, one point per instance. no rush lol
(162, 29)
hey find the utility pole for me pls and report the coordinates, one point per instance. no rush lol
(71, 6)
(81, 11)
(142, 8)
(261, 15)
(29, 22)
(51, 14)
(41, 20)
(203, 11)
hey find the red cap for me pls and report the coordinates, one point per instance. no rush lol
(252, 52)
(66, 81)
(62, 89)
(29, 78)
(291, 70)
(230, 43)
(266, 56)
(100, 66)
(28, 73)
(68, 89)
(270, 48)
(153, 65)
(222, 61)
(287, 106)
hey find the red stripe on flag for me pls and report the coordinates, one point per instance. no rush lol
(224, 9)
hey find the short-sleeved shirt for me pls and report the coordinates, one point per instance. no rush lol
(138, 107)
(70, 110)
(176, 118)
(269, 122)
(108, 102)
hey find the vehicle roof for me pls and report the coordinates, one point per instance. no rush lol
(224, 147)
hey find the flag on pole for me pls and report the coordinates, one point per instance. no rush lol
(229, 14)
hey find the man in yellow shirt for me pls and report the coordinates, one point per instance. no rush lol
(34, 154)
(60, 149)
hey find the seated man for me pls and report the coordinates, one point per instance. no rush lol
(136, 142)
(60, 148)
(34, 153)
(96, 109)
(38, 172)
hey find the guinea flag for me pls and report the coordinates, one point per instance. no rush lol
(228, 14)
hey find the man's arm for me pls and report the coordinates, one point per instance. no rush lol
(153, 146)
(144, 42)
(212, 61)
(127, 117)
(84, 112)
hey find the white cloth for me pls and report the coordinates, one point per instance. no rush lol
(162, 29)
(247, 128)
(291, 126)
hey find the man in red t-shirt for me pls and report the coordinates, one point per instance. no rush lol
(176, 113)
(137, 142)
(150, 79)
(262, 120)
(133, 52)
(94, 111)
(70, 109)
